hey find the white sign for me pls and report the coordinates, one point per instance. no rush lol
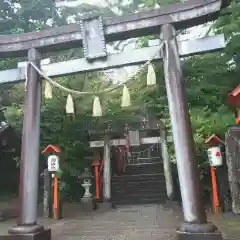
(53, 163)
(215, 156)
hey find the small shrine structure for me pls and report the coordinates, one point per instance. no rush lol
(139, 141)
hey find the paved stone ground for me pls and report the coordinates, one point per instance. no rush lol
(123, 223)
(139, 222)
(228, 223)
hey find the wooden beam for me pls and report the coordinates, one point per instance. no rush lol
(138, 56)
(122, 142)
(45, 61)
(181, 15)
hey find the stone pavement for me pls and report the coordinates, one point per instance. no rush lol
(124, 223)
(152, 222)
(139, 222)
(228, 224)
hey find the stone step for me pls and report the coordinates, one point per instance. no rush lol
(147, 163)
(147, 200)
(145, 167)
(152, 184)
(140, 171)
(138, 187)
(137, 178)
(153, 159)
(141, 184)
(139, 194)
(140, 191)
(143, 160)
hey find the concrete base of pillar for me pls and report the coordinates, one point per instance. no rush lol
(106, 205)
(206, 231)
(199, 236)
(45, 234)
(88, 204)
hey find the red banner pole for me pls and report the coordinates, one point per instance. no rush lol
(97, 182)
(215, 191)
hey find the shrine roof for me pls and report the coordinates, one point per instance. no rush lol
(213, 139)
(51, 148)
(234, 96)
(235, 92)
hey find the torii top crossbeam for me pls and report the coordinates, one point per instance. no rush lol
(181, 15)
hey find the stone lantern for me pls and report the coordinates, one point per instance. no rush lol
(86, 176)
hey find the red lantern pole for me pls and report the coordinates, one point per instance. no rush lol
(55, 198)
(215, 191)
(214, 141)
(96, 165)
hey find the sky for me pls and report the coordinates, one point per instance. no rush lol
(73, 3)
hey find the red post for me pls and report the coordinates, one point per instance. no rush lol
(215, 191)
(96, 165)
(55, 197)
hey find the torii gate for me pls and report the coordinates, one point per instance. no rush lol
(92, 34)
(134, 139)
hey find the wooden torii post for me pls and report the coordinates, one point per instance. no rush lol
(92, 34)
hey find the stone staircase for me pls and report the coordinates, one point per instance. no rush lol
(142, 183)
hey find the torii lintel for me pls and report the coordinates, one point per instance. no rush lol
(181, 15)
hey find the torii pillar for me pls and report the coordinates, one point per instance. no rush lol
(195, 224)
(27, 226)
(107, 170)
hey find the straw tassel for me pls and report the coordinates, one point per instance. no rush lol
(97, 108)
(151, 75)
(69, 105)
(126, 100)
(48, 91)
